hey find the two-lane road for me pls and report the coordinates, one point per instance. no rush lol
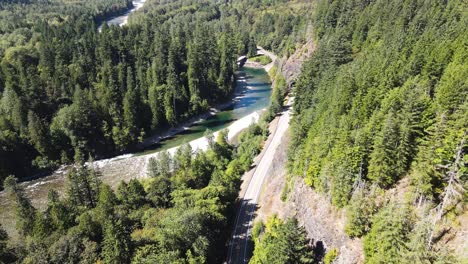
(240, 246)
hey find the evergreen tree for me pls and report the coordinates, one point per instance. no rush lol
(252, 48)
(116, 243)
(282, 242)
(226, 71)
(362, 207)
(161, 165)
(83, 186)
(38, 134)
(106, 203)
(132, 194)
(58, 213)
(388, 235)
(130, 112)
(383, 169)
(6, 253)
(24, 211)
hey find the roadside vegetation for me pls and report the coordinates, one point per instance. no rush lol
(279, 241)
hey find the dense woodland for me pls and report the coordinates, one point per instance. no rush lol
(380, 125)
(67, 88)
(70, 92)
(19, 18)
(179, 215)
(382, 104)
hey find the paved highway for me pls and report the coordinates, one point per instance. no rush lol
(240, 246)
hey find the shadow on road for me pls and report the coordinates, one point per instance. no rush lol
(241, 246)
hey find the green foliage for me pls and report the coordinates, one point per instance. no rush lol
(25, 212)
(277, 96)
(159, 191)
(160, 166)
(362, 207)
(66, 87)
(116, 243)
(382, 98)
(262, 59)
(251, 48)
(6, 253)
(373, 103)
(181, 217)
(330, 256)
(71, 88)
(281, 242)
(388, 235)
(83, 186)
(132, 194)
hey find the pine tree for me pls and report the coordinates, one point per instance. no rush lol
(83, 186)
(58, 214)
(132, 194)
(160, 166)
(299, 251)
(38, 134)
(226, 71)
(156, 103)
(388, 235)
(252, 48)
(383, 168)
(6, 253)
(24, 211)
(194, 72)
(282, 242)
(116, 243)
(362, 207)
(106, 203)
(130, 112)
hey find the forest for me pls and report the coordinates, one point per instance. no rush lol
(380, 125)
(71, 94)
(180, 214)
(381, 107)
(67, 88)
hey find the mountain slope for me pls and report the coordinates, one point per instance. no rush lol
(384, 98)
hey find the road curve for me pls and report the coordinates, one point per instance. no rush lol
(240, 246)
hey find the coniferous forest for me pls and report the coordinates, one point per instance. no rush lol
(383, 105)
(67, 88)
(70, 92)
(379, 125)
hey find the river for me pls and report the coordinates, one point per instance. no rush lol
(123, 19)
(252, 94)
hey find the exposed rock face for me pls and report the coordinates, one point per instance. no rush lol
(291, 67)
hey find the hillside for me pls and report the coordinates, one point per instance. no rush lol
(380, 128)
